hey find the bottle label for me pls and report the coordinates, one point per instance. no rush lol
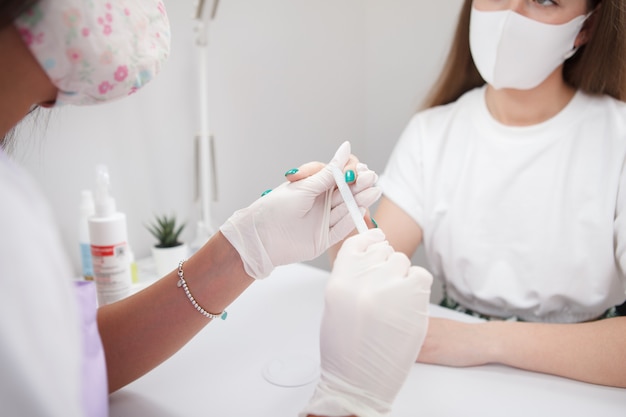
(111, 271)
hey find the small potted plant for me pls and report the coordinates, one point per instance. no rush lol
(169, 250)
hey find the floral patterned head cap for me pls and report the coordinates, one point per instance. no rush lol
(97, 50)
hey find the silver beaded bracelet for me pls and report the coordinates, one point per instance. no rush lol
(182, 283)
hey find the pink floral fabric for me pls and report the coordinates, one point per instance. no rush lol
(97, 50)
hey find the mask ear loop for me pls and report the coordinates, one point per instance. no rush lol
(572, 52)
(576, 48)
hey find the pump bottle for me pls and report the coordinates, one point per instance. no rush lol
(109, 244)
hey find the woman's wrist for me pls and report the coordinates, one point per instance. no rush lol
(215, 274)
(492, 339)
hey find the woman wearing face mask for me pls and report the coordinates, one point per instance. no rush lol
(59, 356)
(514, 180)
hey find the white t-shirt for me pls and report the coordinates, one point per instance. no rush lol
(40, 339)
(519, 221)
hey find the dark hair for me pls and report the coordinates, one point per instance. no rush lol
(11, 9)
(599, 67)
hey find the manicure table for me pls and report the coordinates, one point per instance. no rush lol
(263, 360)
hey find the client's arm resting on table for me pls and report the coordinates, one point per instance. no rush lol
(592, 352)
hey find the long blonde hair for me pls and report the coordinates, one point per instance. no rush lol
(599, 67)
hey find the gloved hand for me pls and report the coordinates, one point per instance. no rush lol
(375, 320)
(298, 221)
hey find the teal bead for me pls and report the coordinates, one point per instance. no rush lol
(224, 315)
(349, 175)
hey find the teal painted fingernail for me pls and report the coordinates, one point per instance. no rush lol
(291, 171)
(266, 192)
(374, 221)
(350, 177)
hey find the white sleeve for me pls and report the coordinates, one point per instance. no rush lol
(402, 182)
(40, 345)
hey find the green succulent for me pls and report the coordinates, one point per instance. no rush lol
(165, 230)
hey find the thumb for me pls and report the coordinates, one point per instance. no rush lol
(324, 180)
(342, 155)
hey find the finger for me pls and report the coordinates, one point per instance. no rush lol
(398, 265)
(360, 242)
(366, 198)
(369, 220)
(423, 278)
(340, 211)
(365, 179)
(350, 171)
(316, 184)
(379, 254)
(337, 212)
(361, 253)
(361, 167)
(418, 286)
(362, 184)
(304, 171)
(340, 229)
(324, 179)
(336, 199)
(342, 155)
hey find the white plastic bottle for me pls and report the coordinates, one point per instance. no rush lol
(86, 210)
(109, 244)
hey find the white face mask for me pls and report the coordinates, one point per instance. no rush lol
(513, 51)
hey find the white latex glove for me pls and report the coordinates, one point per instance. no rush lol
(298, 221)
(375, 320)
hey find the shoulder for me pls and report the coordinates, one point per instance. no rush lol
(26, 217)
(604, 106)
(604, 118)
(436, 123)
(20, 192)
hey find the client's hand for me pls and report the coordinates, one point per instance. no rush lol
(360, 178)
(299, 220)
(374, 324)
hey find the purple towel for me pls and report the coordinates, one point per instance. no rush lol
(95, 385)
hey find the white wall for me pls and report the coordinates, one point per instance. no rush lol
(290, 80)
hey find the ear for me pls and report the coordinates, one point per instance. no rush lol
(588, 28)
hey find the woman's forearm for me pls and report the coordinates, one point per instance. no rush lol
(141, 331)
(593, 352)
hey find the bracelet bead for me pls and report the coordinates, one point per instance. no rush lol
(183, 284)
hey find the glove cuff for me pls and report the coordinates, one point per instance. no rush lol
(256, 261)
(335, 398)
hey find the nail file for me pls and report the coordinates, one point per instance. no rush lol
(348, 198)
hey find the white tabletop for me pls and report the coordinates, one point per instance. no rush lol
(220, 372)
